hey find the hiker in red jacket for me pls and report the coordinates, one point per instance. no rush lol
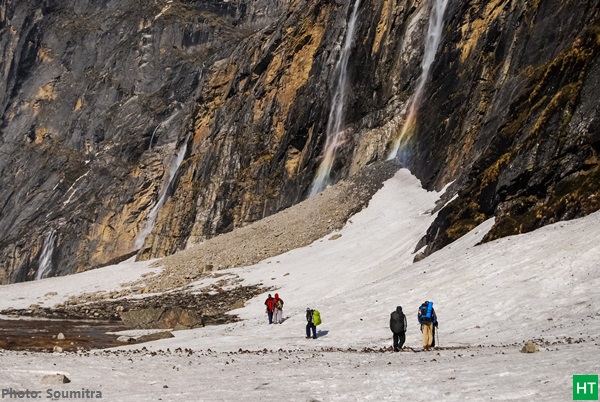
(278, 309)
(270, 303)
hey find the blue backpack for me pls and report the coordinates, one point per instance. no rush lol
(425, 312)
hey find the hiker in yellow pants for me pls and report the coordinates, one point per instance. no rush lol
(428, 320)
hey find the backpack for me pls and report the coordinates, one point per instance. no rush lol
(279, 304)
(396, 322)
(316, 318)
(425, 312)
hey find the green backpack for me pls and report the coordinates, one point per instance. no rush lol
(316, 317)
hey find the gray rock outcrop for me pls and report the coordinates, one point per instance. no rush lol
(161, 318)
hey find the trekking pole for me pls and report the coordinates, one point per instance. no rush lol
(437, 332)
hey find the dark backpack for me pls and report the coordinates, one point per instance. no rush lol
(309, 315)
(425, 312)
(397, 322)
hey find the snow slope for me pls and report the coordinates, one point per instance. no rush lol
(51, 291)
(489, 299)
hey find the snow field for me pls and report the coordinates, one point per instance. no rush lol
(489, 298)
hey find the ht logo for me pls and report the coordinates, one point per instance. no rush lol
(585, 387)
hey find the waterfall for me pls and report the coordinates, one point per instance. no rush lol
(434, 36)
(45, 262)
(173, 168)
(164, 124)
(336, 114)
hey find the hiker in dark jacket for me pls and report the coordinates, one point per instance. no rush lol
(310, 326)
(428, 320)
(398, 327)
(270, 303)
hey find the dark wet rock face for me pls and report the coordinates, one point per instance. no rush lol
(522, 138)
(131, 125)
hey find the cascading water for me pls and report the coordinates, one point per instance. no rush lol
(174, 167)
(165, 124)
(434, 36)
(45, 262)
(336, 114)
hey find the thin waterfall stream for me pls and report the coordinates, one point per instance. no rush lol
(432, 42)
(45, 262)
(166, 123)
(174, 167)
(334, 132)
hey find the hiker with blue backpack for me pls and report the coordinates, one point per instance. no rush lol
(428, 320)
(398, 327)
(313, 318)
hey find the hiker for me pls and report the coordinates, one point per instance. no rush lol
(428, 321)
(398, 327)
(270, 303)
(278, 303)
(310, 325)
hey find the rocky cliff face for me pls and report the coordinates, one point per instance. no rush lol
(515, 114)
(133, 125)
(95, 98)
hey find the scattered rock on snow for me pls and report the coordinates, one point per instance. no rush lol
(529, 347)
(55, 379)
(209, 304)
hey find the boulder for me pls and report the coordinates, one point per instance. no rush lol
(160, 318)
(154, 337)
(184, 317)
(530, 347)
(55, 379)
(143, 318)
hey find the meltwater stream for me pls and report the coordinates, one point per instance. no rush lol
(336, 114)
(434, 36)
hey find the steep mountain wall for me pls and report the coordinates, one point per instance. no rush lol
(94, 97)
(513, 112)
(259, 126)
(98, 98)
